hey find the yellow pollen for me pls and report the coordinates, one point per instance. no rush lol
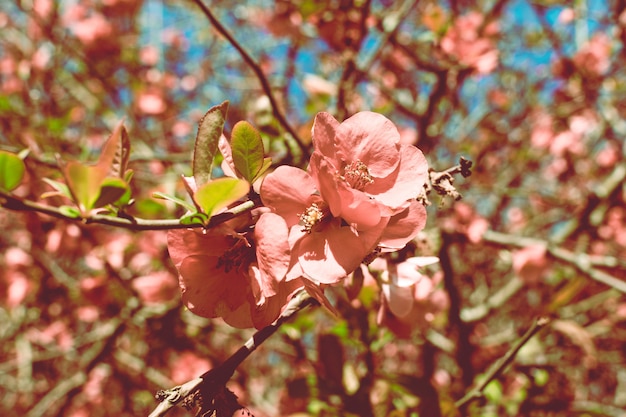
(357, 175)
(311, 216)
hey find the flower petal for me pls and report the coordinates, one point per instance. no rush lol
(358, 209)
(272, 251)
(267, 312)
(403, 184)
(399, 299)
(405, 275)
(330, 255)
(208, 291)
(182, 243)
(404, 226)
(371, 138)
(324, 174)
(287, 190)
(420, 261)
(323, 134)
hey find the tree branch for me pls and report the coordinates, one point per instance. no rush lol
(265, 85)
(581, 261)
(11, 202)
(211, 382)
(498, 367)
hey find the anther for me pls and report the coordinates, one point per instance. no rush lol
(311, 216)
(357, 175)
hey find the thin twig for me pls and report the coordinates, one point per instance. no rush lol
(256, 68)
(132, 223)
(498, 367)
(583, 262)
(215, 379)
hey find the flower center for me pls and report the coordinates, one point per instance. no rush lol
(357, 175)
(311, 216)
(241, 253)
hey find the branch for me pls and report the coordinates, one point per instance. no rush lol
(206, 387)
(267, 89)
(498, 367)
(11, 202)
(581, 261)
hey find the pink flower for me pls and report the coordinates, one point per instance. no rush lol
(361, 160)
(531, 263)
(400, 282)
(594, 58)
(236, 276)
(324, 247)
(155, 288)
(359, 194)
(470, 44)
(413, 307)
(365, 173)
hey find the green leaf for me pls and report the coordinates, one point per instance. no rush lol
(247, 149)
(218, 194)
(60, 189)
(267, 163)
(111, 190)
(209, 132)
(69, 211)
(115, 153)
(11, 171)
(174, 199)
(194, 218)
(84, 183)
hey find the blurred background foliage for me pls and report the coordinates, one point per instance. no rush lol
(531, 91)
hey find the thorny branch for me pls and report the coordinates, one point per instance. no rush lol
(208, 392)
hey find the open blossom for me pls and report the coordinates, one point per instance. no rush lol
(410, 299)
(366, 174)
(358, 195)
(324, 247)
(399, 284)
(236, 276)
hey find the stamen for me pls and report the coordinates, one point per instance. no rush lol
(236, 256)
(311, 216)
(357, 175)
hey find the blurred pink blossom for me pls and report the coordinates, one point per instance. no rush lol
(403, 285)
(428, 301)
(151, 103)
(470, 47)
(187, 366)
(149, 55)
(92, 29)
(567, 15)
(593, 58)
(531, 263)
(158, 287)
(608, 155)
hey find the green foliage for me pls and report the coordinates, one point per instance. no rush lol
(220, 193)
(247, 151)
(207, 140)
(102, 184)
(11, 171)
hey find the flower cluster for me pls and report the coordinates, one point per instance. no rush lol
(357, 199)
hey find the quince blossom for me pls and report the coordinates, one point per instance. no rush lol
(233, 275)
(324, 247)
(358, 195)
(409, 298)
